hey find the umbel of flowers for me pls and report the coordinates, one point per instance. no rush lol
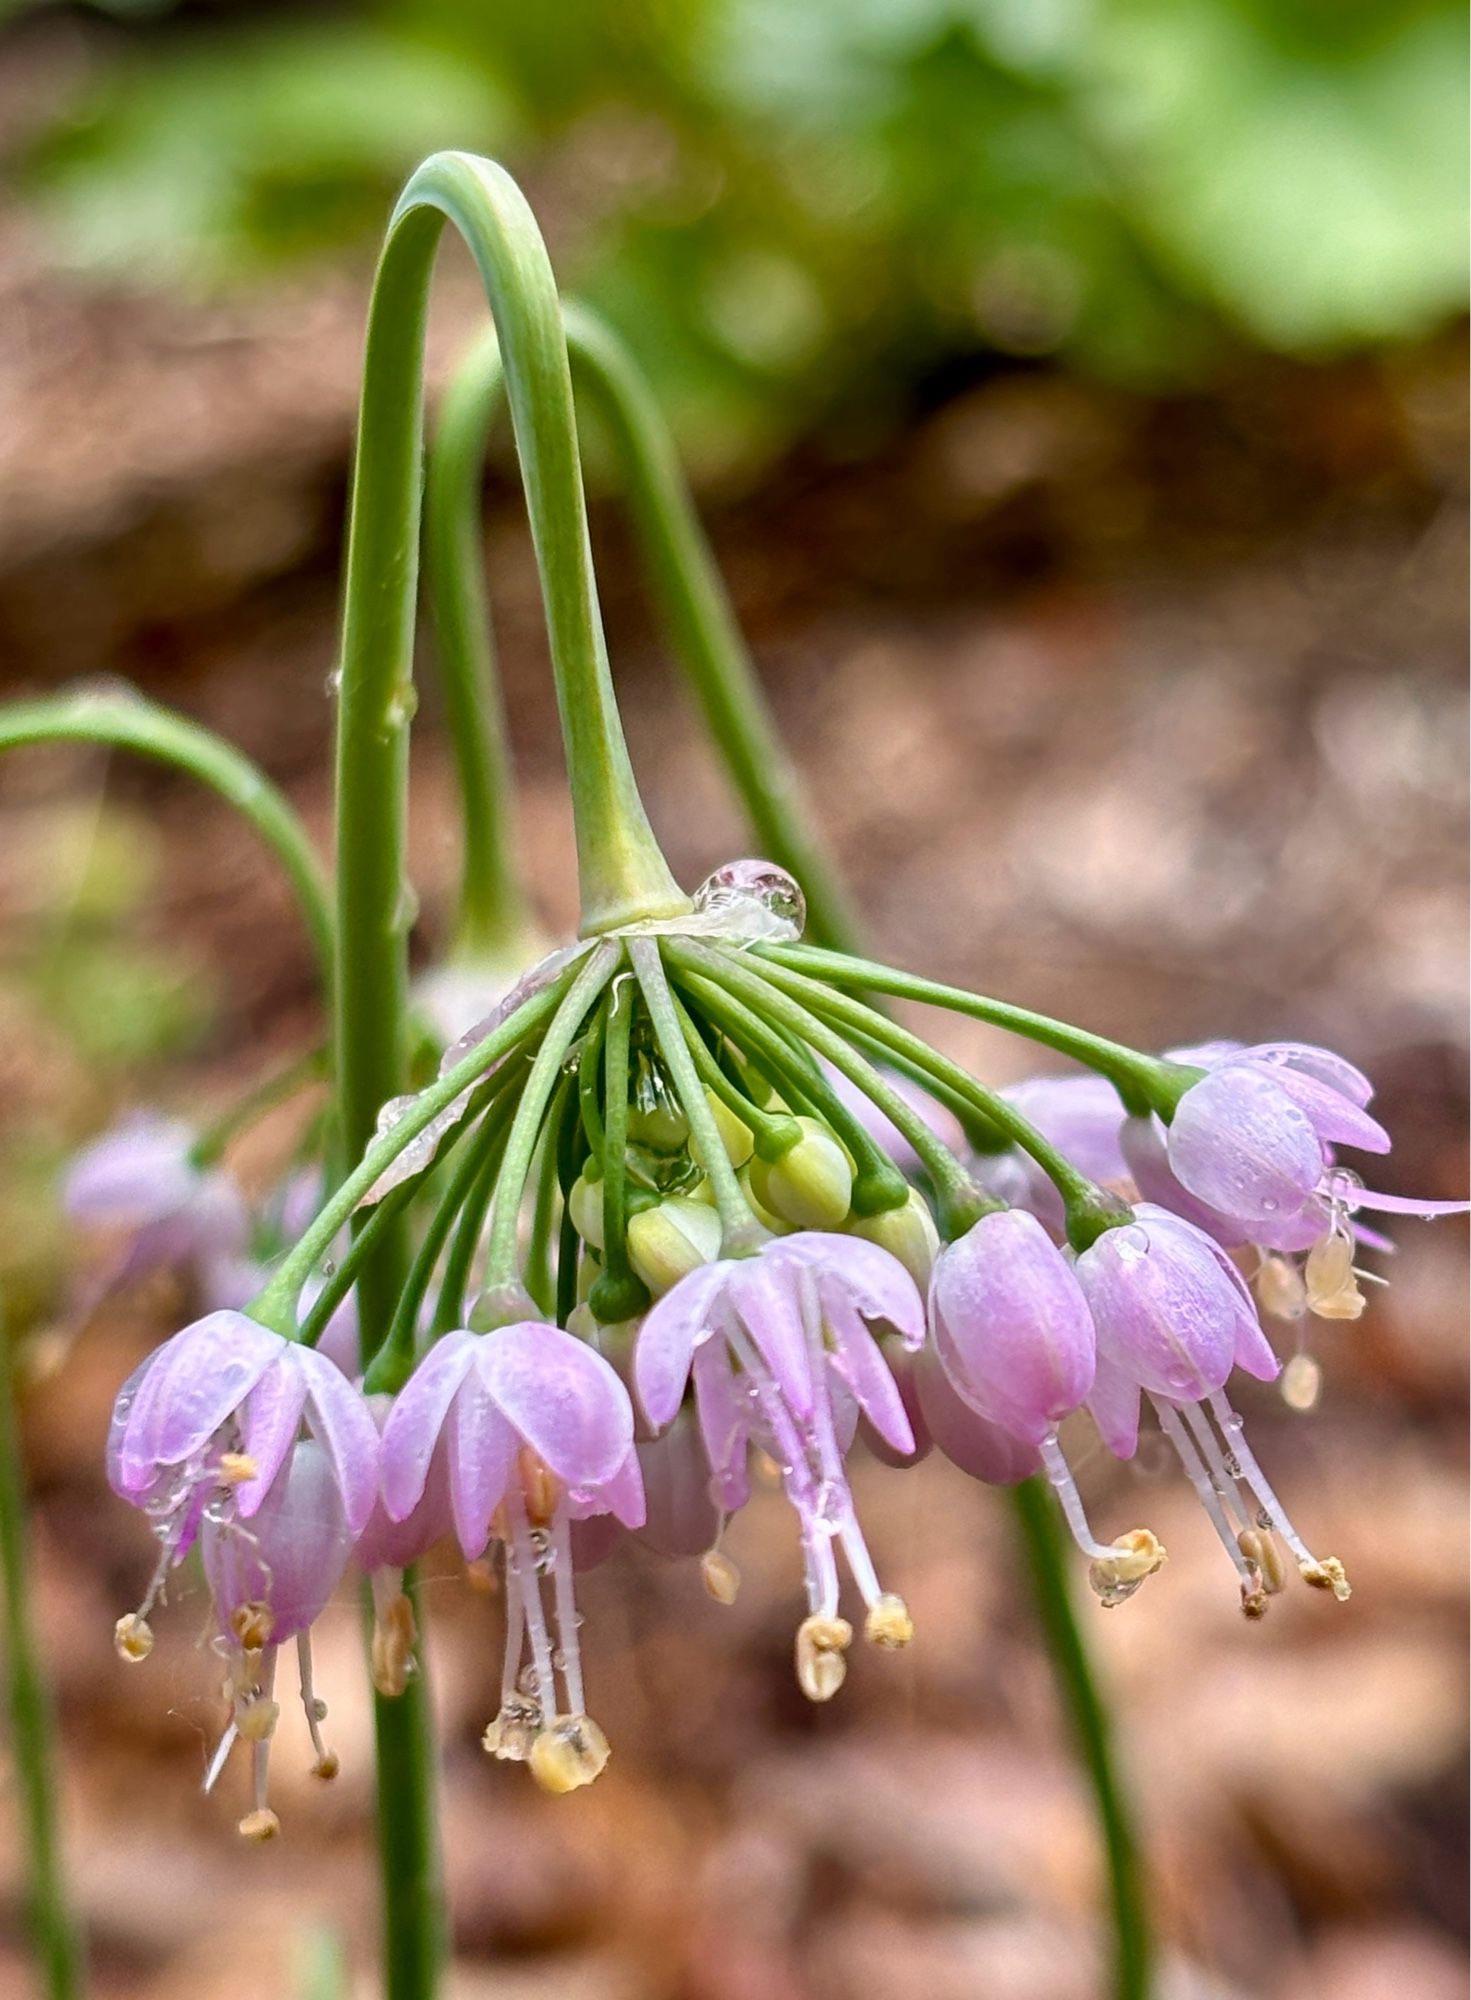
(688, 1196)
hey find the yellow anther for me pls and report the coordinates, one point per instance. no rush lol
(888, 1623)
(1302, 1383)
(253, 1625)
(132, 1636)
(255, 1721)
(821, 1667)
(568, 1754)
(1280, 1290)
(511, 1736)
(1328, 1574)
(1135, 1556)
(236, 1467)
(721, 1578)
(260, 1825)
(327, 1766)
(391, 1654)
(1331, 1282)
(1259, 1546)
(1253, 1601)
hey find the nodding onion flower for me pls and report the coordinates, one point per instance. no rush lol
(695, 1197)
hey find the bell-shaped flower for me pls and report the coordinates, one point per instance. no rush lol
(1174, 1318)
(208, 1421)
(536, 1430)
(1015, 1337)
(269, 1580)
(781, 1351)
(967, 1439)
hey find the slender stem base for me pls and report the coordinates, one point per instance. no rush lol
(413, 1914)
(1047, 1565)
(57, 1941)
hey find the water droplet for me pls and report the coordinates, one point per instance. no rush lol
(758, 886)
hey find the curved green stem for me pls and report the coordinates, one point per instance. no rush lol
(54, 1929)
(502, 1286)
(1088, 1206)
(960, 1200)
(686, 585)
(1048, 1569)
(740, 1231)
(494, 918)
(131, 722)
(1157, 1082)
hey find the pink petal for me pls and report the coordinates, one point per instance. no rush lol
(1114, 1407)
(270, 1421)
(565, 1400)
(416, 1419)
(725, 1412)
(482, 1458)
(198, 1380)
(858, 1359)
(673, 1328)
(1240, 1144)
(340, 1420)
(764, 1296)
(871, 1277)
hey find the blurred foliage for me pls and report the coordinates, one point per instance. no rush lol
(791, 206)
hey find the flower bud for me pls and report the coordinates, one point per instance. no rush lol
(668, 1241)
(585, 1205)
(735, 1136)
(811, 1185)
(662, 1127)
(908, 1233)
(775, 1223)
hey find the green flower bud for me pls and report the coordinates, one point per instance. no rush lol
(775, 1223)
(811, 1185)
(585, 1205)
(668, 1241)
(908, 1233)
(735, 1136)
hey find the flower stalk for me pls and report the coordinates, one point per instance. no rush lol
(54, 1928)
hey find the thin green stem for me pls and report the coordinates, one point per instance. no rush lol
(54, 1929)
(130, 722)
(1137, 1075)
(494, 919)
(449, 1307)
(774, 1132)
(686, 585)
(739, 1228)
(1049, 1569)
(1088, 1206)
(540, 1278)
(501, 1255)
(619, 1294)
(959, 1197)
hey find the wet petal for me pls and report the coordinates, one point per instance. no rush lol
(340, 1420)
(726, 1412)
(198, 1380)
(416, 1419)
(1113, 1405)
(858, 1359)
(874, 1279)
(673, 1328)
(1240, 1144)
(565, 1400)
(764, 1296)
(270, 1421)
(482, 1457)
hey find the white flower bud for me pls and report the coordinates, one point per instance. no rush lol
(811, 1185)
(735, 1135)
(908, 1233)
(668, 1241)
(585, 1205)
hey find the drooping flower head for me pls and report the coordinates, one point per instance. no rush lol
(1174, 1318)
(536, 1431)
(781, 1351)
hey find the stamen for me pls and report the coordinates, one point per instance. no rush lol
(133, 1636)
(568, 1655)
(315, 1710)
(260, 1823)
(222, 1751)
(235, 1468)
(721, 1578)
(1302, 1383)
(523, 1563)
(888, 1623)
(568, 1754)
(1253, 1590)
(252, 1625)
(1326, 1573)
(395, 1634)
(1117, 1569)
(821, 1667)
(1330, 1281)
(1279, 1288)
